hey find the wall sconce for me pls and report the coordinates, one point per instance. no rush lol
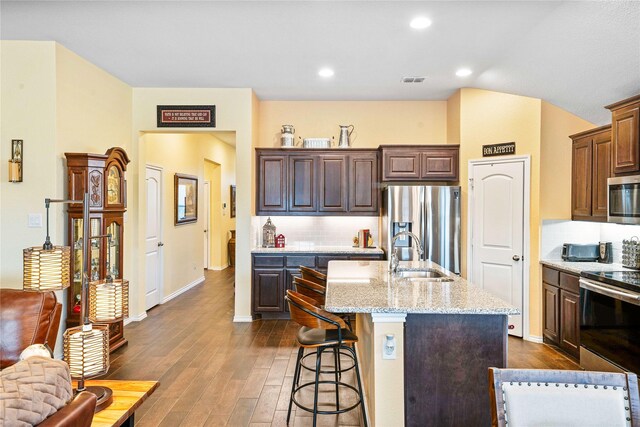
(15, 164)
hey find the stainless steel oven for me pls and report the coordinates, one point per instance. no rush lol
(609, 326)
(623, 200)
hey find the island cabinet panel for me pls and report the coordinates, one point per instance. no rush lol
(561, 310)
(591, 167)
(317, 182)
(302, 184)
(272, 183)
(450, 387)
(625, 121)
(273, 274)
(333, 184)
(420, 162)
(363, 183)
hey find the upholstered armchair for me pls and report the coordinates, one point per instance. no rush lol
(28, 318)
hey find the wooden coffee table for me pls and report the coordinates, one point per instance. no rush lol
(127, 397)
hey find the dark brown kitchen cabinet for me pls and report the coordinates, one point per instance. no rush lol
(317, 182)
(570, 322)
(625, 130)
(333, 183)
(590, 169)
(363, 182)
(561, 311)
(272, 183)
(302, 184)
(268, 290)
(272, 274)
(420, 162)
(550, 313)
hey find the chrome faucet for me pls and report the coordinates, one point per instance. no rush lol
(394, 251)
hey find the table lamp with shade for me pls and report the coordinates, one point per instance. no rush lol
(86, 347)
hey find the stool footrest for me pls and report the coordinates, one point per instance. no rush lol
(335, 412)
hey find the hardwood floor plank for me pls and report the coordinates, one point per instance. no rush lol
(214, 372)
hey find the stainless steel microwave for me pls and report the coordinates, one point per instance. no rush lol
(623, 200)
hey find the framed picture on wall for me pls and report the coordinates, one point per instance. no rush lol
(186, 198)
(232, 199)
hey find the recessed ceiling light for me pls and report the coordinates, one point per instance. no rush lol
(420, 22)
(326, 72)
(463, 72)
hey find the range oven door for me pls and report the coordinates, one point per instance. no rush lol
(610, 323)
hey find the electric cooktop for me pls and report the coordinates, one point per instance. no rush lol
(628, 279)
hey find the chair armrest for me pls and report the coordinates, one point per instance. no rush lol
(77, 413)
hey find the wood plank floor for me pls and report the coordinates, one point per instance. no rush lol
(214, 372)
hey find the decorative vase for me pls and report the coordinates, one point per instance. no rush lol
(231, 248)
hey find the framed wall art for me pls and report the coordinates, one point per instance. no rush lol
(232, 200)
(186, 198)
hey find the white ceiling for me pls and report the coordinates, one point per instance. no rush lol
(577, 55)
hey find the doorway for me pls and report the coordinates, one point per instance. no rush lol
(498, 238)
(153, 237)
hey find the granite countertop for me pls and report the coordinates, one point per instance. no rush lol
(579, 267)
(318, 249)
(368, 287)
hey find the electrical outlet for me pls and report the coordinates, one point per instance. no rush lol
(34, 220)
(389, 346)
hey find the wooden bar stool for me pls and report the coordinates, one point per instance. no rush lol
(322, 331)
(310, 289)
(313, 275)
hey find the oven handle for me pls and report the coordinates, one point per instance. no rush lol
(613, 293)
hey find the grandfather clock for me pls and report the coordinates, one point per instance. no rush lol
(102, 175)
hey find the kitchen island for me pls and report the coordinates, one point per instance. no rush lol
(447, 334)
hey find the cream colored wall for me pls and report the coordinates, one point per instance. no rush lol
(376, 122)
(234, 113)
(213, 176)
(555, 160)
(28, 107)
(453, 118)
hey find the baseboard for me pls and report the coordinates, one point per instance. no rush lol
(534, 338)
(218, 267)
(140, 317)
(182, 290)
(242, 319)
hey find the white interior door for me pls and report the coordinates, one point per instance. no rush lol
(207, 224)
(153, 242)
(497, 233)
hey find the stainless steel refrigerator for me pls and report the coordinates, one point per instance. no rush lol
(430, 212)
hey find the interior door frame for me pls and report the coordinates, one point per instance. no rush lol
(206, 196)
(161, 219)
(526, 238)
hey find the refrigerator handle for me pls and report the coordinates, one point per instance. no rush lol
(423, 228)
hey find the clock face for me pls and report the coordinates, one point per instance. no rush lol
(113, 186)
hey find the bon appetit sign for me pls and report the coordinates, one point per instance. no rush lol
(499, 149)
(186, 116)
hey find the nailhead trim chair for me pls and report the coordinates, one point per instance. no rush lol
(530, 397)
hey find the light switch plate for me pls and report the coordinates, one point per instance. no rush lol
(34, 220)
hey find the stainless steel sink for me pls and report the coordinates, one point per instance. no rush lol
(426, 274)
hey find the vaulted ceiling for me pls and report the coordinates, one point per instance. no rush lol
(576, 55)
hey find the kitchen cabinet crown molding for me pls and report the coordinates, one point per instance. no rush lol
(623, 103)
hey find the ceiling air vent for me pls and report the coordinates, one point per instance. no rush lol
(413, 79)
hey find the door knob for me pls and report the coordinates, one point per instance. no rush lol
(160, 244)
(516, 258)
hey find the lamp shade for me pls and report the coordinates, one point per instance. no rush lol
(14, 171)
(86, 350)
(108, 300)
(46, 269)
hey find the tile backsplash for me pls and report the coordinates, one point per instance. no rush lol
(557, 232)
(316, 230)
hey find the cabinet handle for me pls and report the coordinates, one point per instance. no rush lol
(160, 244)
(516, 258)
